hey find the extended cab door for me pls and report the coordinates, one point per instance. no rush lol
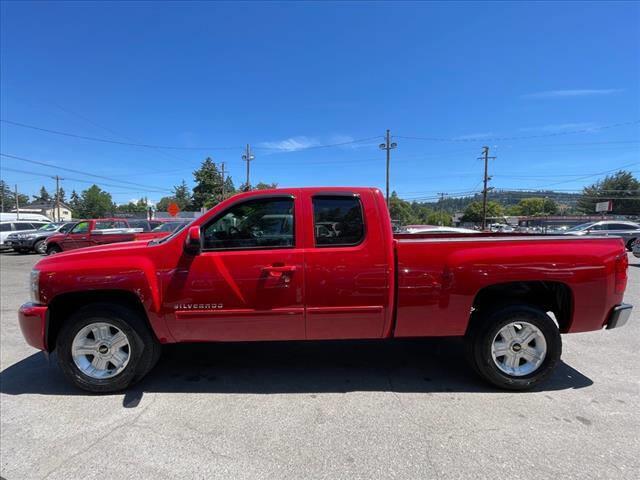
(348, 266)
(248, 281)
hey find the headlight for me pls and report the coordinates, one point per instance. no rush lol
(34, 286)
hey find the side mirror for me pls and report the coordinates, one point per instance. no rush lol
(193, 242)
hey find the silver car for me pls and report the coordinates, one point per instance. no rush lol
(628, 231)
(635, 248)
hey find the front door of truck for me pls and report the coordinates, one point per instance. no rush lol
(247, 283)
(78, 237)
(347, 270)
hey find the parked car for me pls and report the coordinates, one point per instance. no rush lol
(145, 225)
(7, 227)
(415, 229)
(101, 231)
(240, 273)
(34, 240)
(628, 231)
(635, 248)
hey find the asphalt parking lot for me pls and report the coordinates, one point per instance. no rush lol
(321, 410)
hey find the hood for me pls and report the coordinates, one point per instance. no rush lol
(120, 248)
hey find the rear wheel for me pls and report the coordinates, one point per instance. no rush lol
(630, 244)
(53, 249)
(106, 348)
(515, 347)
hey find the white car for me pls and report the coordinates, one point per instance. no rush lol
(10, 226)
(436, 229)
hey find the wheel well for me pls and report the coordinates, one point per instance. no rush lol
(553, 297)
(64, 305)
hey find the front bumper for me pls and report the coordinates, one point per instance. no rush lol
(619, 316)
(33, 324)
(19, 243)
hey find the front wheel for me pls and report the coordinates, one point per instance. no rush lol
(40, 247)
(53, 249)
(515, 347)
(105, 348)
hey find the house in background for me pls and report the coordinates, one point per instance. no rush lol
(48, 209)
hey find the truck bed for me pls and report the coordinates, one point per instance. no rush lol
(441, 275)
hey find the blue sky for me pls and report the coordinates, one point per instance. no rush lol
(286, 76)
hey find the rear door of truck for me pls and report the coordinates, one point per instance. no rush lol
(348, 265)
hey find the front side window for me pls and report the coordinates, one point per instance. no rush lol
(261, 223)
(66, 227)
(82, 227)
(338, 221)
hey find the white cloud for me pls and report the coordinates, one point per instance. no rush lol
(573, 93)
(291, 144)
(561, 127)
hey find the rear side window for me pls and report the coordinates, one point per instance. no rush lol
(23, 226)
(338, 221)
(262, 223)
(621, 226)
(143, 224)
(5, 227)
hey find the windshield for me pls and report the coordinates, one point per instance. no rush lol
(169, 227)
(49, 227)
(579, 228)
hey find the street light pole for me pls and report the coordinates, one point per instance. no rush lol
(388, 146)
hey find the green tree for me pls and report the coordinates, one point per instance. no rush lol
(208, 189)
(265, 186)
(74, 203)
(440, 218)
(43, 196)
(622, 188)
(9, 197)
(473, 212)
(400, 210)
(133, 207)
(181, 197)
(537, 206)
(94, 203)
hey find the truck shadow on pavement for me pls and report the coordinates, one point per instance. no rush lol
(421, 366)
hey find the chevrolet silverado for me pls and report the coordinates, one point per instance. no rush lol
(316, 264)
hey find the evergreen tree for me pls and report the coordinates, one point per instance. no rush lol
(208, 189)
(622, 188)
(8, 201)
(43, 196)
(95, 203)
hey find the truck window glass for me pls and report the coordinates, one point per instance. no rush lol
(262, 223)
(82, 227)
(338, 221)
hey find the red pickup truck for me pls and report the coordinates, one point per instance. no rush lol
(315, 264)
(89, 233)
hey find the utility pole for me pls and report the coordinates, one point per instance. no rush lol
(485, 190)
(442, 195)
(388, 146)
(17, 205)
(247, 157)
(222, 172)
(57, 178)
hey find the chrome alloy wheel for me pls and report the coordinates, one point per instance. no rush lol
(519, 348)
(101, 350)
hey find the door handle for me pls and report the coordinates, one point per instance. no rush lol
(277, 271)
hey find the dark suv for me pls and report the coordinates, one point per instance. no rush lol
(34, 240)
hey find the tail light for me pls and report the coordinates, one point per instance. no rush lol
(622, 263)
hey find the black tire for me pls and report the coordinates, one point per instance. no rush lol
(630, 244)
(39, 247)
(481, 337)
(143, 354)
(53, 249)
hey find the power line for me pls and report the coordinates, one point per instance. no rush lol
(521, 137)
(36, 162)
(173, 147)
(27, 172)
